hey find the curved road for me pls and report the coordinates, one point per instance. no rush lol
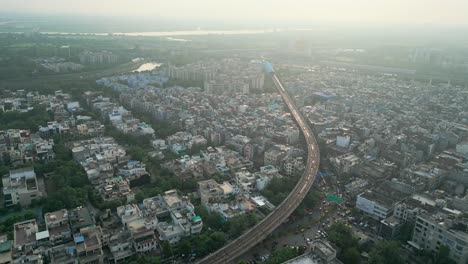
(259, 232)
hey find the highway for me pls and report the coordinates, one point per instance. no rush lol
(259, 232)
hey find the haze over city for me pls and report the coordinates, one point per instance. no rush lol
(243, 132)
(415, 12)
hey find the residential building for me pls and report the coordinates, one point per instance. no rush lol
(5, 250)
(88, 245)
(211, 192)
(21, 187)
(443, 228)
(58, 225)
(183, 220)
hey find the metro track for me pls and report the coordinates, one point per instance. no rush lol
(265, 227)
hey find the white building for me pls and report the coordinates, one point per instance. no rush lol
(434, 230)
(375, 205)
(245, 180)
(178, 218)
(343, 141)
(73, 105)
(20, 187)
(462, 147)
(345, 163)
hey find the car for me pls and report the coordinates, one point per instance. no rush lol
(308, 239)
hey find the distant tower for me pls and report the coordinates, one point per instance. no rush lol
(67, 50)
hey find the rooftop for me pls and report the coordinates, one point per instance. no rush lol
(80, 217)
(25, 232)
(56, 216)
(172, 198)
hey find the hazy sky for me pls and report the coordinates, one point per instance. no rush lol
(314, 11)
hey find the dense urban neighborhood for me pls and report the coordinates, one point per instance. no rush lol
(138, 169)
(279, 146)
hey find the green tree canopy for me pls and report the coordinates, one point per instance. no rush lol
(386, 252)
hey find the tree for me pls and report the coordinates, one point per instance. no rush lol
(236, 225)
(351, 256)
(279, 189)
(66, 197)
(214, 221)
(3, 171)
(405, 232)
(217, 240)
(166, 248)
(342, 236)
(29, 120)
(29, 215)
(185, 248)
(386, 252)
(443, 256)
(252, 220)
(282, 255)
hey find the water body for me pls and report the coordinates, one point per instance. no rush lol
(169, 35)
(148, 67)
(178, 39)
(193, 33)
(177, 33)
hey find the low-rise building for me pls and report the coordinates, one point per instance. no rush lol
(379, 202)
(212, 192)
(88, 245)
(245, 180)
(442, 229)
(80, 217)
(183, 220)
(63, 254)
(25, 241)
(58, 225)
(20, 187)
(345, 163)
(121, 247)
(5, 250)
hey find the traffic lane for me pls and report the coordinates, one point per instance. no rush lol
(292, 238)
(289, 239)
